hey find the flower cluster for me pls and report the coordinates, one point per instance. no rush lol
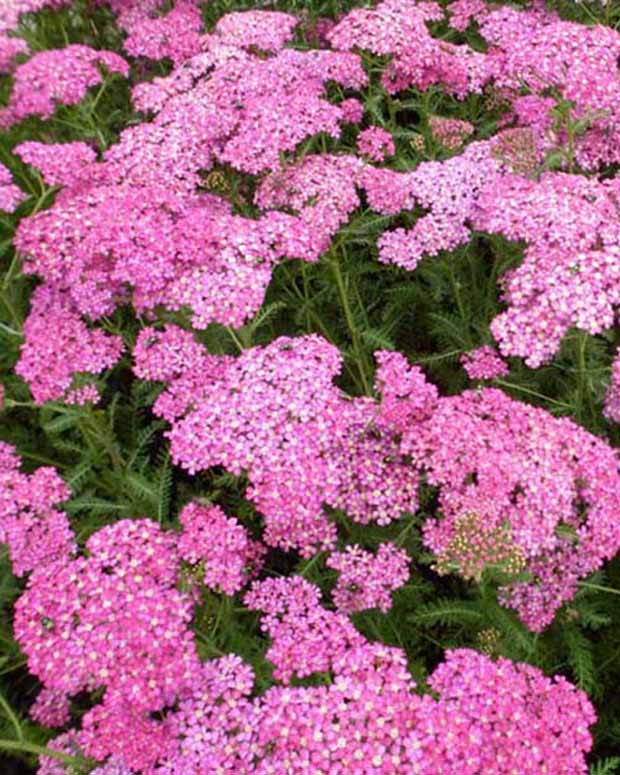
(500, 717)
(398, 28)
(229, 558)
(59, 76)
(275, 414)
(375, 143)
(174, 35)
(484, 363)
(35, 531)
(569, 274)
(550, 485)
(48, 365)
(10, 194)
(366, 580)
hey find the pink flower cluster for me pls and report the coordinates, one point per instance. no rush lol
(484, 363)
(228, 557)
(398, 28)
(11, 10)
(60, 164)
(35, 531)
(59, 76)
(375, 143)
(10, 48)
(569, 276)
(552, 483)
(174, 35)
(366, 580)
(275, 414)
(112, 619)
(10, 194)
(48, 364)
(448, 190)
(500, 717)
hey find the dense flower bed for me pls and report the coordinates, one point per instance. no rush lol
(310, 387)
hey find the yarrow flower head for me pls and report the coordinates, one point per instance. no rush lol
(500, 716)
(484, 363)
(10, 194)
(58, 76)
(366, 580)
(36, 532)
(375, 143)
(228, 557)
(543, 488)
(48, 365)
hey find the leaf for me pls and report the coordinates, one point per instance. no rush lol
(446, 611)
(605, 766)
(580, 658)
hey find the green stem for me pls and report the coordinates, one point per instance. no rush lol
(12, 717)
(353, 332)
(235, 338)
(11, 331)
(582, 341)
(523, 389)
(441, 357)
(599, 587)
(40, 750)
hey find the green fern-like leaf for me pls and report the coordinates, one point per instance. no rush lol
(605, 766)
(164, 490)
(446, 611)
(579, 652)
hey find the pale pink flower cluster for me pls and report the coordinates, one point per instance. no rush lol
(398, 28)
(11, 10)
(306, 638)
(367, 580)
(10, 49)
(534, 49)
(263, 30)
(462, 12)
(51, 708)
(448, 190)
(375, 143)
(569, 276)
(60, 164)
(228, 556)
(484, 363)
(58, 76)
(173, 35)
(451, 133)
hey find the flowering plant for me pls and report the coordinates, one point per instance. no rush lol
(309, 387)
